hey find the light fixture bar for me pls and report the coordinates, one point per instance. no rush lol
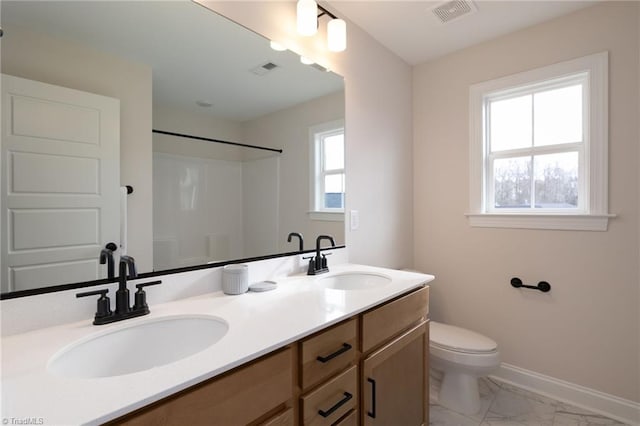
(308, 19)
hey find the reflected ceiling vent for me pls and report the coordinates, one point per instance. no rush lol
(452, 10)
(319, 67)
(265, 68)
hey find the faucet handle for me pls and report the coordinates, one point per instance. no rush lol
(324, 259)
(141, 297)
(103, 309)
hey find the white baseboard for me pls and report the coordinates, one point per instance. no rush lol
(599, 402)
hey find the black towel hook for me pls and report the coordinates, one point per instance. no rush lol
(543, 286)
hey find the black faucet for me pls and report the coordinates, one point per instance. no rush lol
(122, 294)
(106, 256)
(318, 264)
(300, 239)
(123, 311)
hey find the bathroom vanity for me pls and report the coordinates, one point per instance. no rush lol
(348, 347)
(315, 381)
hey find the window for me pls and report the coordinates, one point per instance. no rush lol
(327, 169)
(538, 148)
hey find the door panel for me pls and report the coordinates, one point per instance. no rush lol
(56, 174)
(395, 381)
(60, 172)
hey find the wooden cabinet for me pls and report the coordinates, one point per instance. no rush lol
(245, 395)
(329, 352)
(286, 418)
(395, 381)
(334, 399)
(386, 321)
(370, 369)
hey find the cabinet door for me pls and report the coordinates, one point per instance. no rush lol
(395, 381)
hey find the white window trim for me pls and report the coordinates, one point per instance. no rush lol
(329, 215)
(596, 216)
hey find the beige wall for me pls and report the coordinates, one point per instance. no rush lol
(289, 130)
(585, 331)
(33, 56)
(378, 128)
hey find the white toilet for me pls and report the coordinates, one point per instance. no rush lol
(462, 356)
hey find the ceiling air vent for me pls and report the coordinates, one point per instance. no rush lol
(452, 10)
(319, 67)
(264, 68)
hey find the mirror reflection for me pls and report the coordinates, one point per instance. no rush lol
(84, 86)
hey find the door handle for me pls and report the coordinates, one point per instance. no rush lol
(372, 413)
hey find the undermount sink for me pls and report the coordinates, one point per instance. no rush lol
(139, 347)
(354, 281)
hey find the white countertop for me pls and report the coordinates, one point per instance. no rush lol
(258, 324)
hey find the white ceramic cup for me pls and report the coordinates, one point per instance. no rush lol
(235, 279)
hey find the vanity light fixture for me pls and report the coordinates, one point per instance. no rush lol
(307, 24)
(307, 17)
(337, 35)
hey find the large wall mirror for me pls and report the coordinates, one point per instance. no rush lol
(101, 95)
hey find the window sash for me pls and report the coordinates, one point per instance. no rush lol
(489, 203)
(319, 167)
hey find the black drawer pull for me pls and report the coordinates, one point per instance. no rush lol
(325, 414)
(372, 413)
(345, 347)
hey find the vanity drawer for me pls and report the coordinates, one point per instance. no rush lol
(388, 320)
(335, 399)
(237, 398)
(328, 352)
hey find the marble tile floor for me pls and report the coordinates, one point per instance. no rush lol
(506, 405)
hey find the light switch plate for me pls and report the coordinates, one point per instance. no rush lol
(354, 219)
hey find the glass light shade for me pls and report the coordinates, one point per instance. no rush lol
(307, 17)
(337, 35)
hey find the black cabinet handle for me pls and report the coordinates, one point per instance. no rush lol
(330, 411)
(372, 413)
(345, 347)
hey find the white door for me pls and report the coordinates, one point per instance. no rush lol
(60, 165)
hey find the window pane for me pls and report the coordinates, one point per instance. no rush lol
(510, 125)
(334, 152)
(556, 180)
(334, 191)
(558, 116)
(512, 182)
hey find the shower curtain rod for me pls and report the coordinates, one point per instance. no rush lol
(200, 138)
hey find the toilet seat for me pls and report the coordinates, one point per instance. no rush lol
(455, 339)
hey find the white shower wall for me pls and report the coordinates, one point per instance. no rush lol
(192, 203)
(260, 214)
(208, 210)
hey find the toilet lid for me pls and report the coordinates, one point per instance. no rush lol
(459, 339)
